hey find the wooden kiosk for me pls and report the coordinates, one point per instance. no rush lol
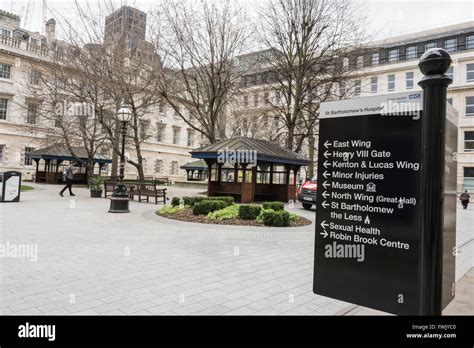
(251, 170)
(55, 158)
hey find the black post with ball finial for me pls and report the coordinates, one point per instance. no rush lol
(434, 64)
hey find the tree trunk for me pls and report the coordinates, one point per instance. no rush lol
(141, 173)
(291, 135)
(90, 170)
(136, 141)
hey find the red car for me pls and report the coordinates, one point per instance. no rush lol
(307, 193)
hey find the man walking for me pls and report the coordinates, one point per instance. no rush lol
(68, 175)
(464, 199)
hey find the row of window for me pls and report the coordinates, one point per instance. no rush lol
(393, 55)
(374, 82)
(6, 73)
(256, 99)
(411, 52)
(409, 81)
(32, 113)
(27, 161)
(160, 166)
(32, 118)
(161, 133)
(261, 78)
(35, 78)
(9, 33)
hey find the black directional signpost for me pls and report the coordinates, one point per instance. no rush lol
(380, 201)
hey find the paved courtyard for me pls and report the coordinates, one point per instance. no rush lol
(93, 262)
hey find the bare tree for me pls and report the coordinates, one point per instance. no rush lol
(120, 70)
(61, 116)
(199, 43)
(129, 77)
(308, 42)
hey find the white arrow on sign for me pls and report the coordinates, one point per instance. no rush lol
(324, 224)
(327, 144)
(325, 204)
(327, 154)
(325, 194)
(324, 234)
(326, 185)
(326, 164)
(326, 174)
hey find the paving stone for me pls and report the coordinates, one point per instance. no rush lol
(271, 275)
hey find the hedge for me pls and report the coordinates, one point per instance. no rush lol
(249, 212)
(208, 206)
(274, 206)
(279, 218)
(191, 201)
(229, 200)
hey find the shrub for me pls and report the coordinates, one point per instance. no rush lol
(281, 219)
(208, 206)
(293, 217)
(276, 206)
(231, 212)
(168, 209)
(249, 212)
(262, 213)
(269, 217)
(175, 202)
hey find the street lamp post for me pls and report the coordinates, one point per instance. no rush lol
(119, 200)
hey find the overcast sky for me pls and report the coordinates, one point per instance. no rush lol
(386, 17)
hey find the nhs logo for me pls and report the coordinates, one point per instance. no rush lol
(414, 96)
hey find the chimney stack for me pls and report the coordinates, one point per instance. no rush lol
(50, 31)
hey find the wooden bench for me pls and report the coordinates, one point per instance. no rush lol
(146, 191)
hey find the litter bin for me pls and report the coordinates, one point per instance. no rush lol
(10, 184)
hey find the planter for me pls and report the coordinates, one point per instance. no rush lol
(96, 194)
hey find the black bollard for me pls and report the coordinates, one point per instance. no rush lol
(433, 64)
